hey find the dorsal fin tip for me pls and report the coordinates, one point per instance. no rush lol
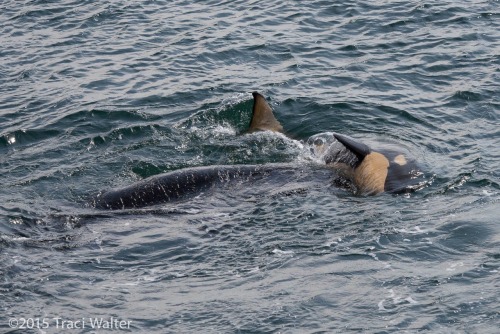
(262, 115)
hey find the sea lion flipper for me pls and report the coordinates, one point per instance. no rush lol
(359, 149)
(263, 117)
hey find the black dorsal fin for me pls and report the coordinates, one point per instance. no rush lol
(263, 117)
(359, 149)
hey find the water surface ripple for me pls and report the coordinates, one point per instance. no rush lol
(99, 94)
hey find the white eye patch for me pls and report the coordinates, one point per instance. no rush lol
(400, 160)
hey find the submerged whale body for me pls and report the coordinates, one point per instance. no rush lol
(354, 165)
(181, 184)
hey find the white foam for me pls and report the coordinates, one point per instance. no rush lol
(224, 129)
(281, 252)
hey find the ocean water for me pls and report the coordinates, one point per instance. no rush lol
(99, 94)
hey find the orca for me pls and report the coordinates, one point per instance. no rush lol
(370, 171)
(355, 165)
(181, 184)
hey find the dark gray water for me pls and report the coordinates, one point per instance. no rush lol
(99, 94)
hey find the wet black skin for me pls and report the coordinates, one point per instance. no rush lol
(189, 182)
